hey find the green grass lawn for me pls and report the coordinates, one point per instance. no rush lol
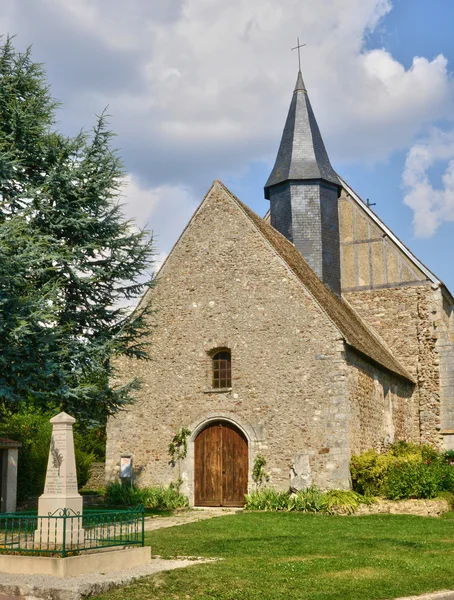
(268, 556)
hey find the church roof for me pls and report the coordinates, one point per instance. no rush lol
(302, 153)
(354, 331)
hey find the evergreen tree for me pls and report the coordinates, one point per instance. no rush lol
(68, 259)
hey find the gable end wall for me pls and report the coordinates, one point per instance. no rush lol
(223, 286)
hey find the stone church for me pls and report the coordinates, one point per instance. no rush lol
(302, 337)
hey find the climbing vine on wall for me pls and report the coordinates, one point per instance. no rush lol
(178, 449)
(259, 475)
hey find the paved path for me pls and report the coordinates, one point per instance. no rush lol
(47, 587)
(187, 516)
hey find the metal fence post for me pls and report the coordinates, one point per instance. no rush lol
(64, 517)
(143, 525)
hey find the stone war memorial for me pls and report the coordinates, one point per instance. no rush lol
(62, 539)
(61, 497)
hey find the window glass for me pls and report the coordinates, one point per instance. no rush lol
(222, 370)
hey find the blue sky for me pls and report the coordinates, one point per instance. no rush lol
(199, 90)
(412, 28)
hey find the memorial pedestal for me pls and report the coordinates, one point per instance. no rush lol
(60, 506)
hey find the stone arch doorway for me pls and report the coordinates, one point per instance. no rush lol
(220, 465)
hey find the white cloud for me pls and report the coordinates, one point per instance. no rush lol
(165, 208)
(431, 206)
(200, 88)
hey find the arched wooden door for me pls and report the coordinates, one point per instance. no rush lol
(221, 466)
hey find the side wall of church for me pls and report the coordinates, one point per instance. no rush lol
(445, 347)
(381, 407)
(409, 318)
(224, 286)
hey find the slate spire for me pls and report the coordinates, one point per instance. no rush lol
(303, 190)
(302, 153)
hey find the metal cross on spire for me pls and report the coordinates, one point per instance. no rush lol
(299, 55)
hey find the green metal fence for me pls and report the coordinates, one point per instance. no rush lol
(65, 532)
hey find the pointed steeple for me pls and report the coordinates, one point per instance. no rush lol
(303, 190)
(300, 83)
(302, 153)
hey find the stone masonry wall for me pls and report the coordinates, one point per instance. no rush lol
(408, 318)
(382, 407)
(445, 347)
(97, 476)
(224, 286)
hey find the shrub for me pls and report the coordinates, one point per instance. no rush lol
(405, 471)
(419, 480)
(345, 502)
(311, 500)
(267, 499)
(164, 498)
(369, 471)
(84, 462)
(160, 498)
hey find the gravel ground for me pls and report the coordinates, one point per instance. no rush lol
(47, 587)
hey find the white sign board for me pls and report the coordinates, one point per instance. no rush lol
(126, 467)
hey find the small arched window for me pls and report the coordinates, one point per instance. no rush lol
(222, 369)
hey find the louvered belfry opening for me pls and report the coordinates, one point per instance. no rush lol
(222, 369)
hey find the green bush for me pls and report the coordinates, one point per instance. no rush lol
(419, 480)
(311, 501)
(345, 502)
(405, 471)
(267, 499)
(33, 430)
(369, 471)
(160, 498)
(449, 456)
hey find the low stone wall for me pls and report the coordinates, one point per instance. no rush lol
(421, 508)
(93, 562)
(97, 476)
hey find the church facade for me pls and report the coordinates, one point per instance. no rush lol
(302, 337)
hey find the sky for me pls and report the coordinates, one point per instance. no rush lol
(199, 90)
